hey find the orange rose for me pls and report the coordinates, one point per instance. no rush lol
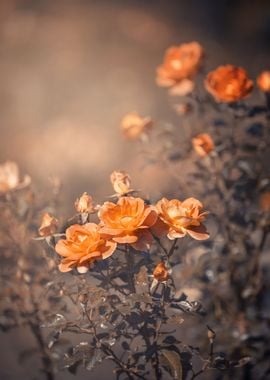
(203, 144)
(228, 83)
(84, 204)
(133, 125)
(263, 81)
(161, 272)
(265, 201)
(121, 182)
(82, 247)
(9, 177)
(180, 62)
(181, 218)
(128, 221)
(48, 225)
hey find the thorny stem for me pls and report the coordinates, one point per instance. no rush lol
(159, 243)
(108, 351)
(197, 373)
(158, 327)
(202, 370)
(35, 328)
(165, 251)
(167, 254)
(109, 281)
(130, 265)
(172, 249)
(256, 268)
(122, 365)
(46, 360)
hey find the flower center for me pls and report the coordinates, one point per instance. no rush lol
(176, 64)
(181, 216)
(125, 220)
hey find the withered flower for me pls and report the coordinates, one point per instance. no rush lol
(160, 272)
(9, 177)
(180, 62)
(128, 221)
(121, 182)
(82, 247)
(48, 225)
(84, 204)
(228, 83)
(265, 201)
(203, 144)
(263, 81)
(182, 218)
(134, 126)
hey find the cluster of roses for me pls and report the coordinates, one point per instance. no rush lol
(181, 63)
(129, 221)
(227, 83)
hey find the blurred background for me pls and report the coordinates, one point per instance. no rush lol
(70, 70)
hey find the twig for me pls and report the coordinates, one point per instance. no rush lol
(130, 265)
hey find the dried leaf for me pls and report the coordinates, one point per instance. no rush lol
(174, 361)
(96, 358)
(243, 361)
(176, 319)
(140, 298)
(154, 286)
(55, 321)
(142, 276)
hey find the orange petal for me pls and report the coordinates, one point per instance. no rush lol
(159, 228)
(144, 241)
(65, 266)
(198, 233)
(111, 248)
(110, 231)
(184, 87)
(175, 234)
(62, 248)
(150, 217)
(191, 202)
(127, 239)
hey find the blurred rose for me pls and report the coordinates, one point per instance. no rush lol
(228, 83)
(265, 201)
(48, 225)
(134, 126)
(181, 218)
(160, 272)
(128, 221)
(180, 62)
(121, 182)
(263, 81)
(82, 247)
(203, 144)
(84, 204)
